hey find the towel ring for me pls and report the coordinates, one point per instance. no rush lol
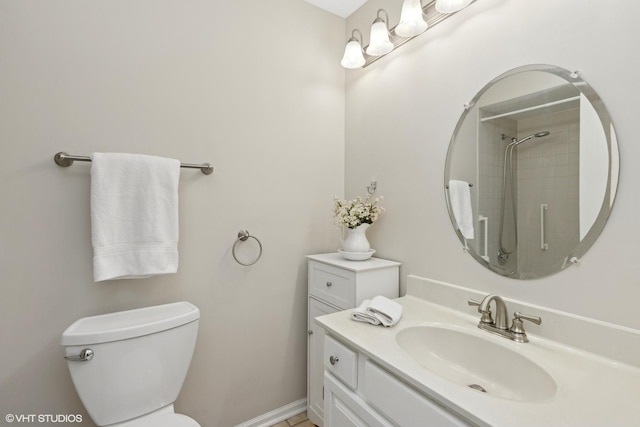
(243, 235)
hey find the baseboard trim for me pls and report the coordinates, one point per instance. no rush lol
(277, 415)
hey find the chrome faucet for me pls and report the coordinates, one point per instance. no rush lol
(502, 317)
(500, 326)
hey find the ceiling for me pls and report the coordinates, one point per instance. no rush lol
(341, 8)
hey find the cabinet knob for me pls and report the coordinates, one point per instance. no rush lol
(309, 332)
(333, 360)
(329, 284)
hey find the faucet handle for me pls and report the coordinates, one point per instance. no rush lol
(518, 328)
(473, 302)
(535, 319)
(485, 315)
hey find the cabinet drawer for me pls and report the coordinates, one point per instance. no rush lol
(334, 285)
(402, 404)
(341, 361)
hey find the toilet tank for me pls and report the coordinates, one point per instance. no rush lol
(140, 359)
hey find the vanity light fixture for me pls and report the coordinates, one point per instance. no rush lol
(451, 6)
(415, 19)
(411, 21)
(353, 57)
(380, 43)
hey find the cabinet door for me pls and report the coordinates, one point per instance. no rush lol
(344, 408)
(315, 366)
(342, 416)
(402, 404)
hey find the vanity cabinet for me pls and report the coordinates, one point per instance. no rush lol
(360, 393)
(346, 409)
(337, 284)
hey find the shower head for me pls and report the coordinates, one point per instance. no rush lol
(526, 138)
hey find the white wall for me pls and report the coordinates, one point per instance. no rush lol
(402, 110)
(253, 87)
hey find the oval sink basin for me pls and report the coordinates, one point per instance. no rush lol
(471, 361)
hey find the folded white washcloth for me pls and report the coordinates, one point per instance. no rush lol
(361, 315)
(385, 310)
(378, 311)
(134, 215)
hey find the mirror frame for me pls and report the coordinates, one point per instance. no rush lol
(612, 179)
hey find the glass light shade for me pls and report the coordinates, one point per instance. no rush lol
(380, 43)
(353, 57)
(411, 21)
(450, 6)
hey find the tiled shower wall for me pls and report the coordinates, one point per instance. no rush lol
(490, 170)
(546, 171)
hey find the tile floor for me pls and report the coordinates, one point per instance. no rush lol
(299, 420)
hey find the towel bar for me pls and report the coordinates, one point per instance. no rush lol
(447, 186)
(65, 160)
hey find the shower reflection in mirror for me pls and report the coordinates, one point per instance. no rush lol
(537, 165)
(508, 182)
(539, 144)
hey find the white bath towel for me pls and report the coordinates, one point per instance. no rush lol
(388, 312)
(460, 199)
(361, 315)
(134, 215)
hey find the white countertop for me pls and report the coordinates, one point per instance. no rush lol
(592, 390)
(334, 258)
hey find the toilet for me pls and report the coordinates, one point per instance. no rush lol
(128, 367)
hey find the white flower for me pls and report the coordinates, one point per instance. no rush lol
(352, 213)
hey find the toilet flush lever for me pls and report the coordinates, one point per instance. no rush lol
(84, 356)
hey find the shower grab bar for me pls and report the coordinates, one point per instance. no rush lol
(485, 222)
(65, 160)
(543, 219)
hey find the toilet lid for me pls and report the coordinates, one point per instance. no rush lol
(169, 420)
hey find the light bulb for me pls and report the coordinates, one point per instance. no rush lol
(380, 43)
(411, 20)
(353, 57)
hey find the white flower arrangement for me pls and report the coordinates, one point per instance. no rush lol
(352, 213)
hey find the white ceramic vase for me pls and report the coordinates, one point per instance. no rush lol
(355, 240)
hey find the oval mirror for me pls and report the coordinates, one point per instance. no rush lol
(531, 171)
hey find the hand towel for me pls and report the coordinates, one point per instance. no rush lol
(134, 215)
(388, 312)
(361, 315)
(460, 199)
